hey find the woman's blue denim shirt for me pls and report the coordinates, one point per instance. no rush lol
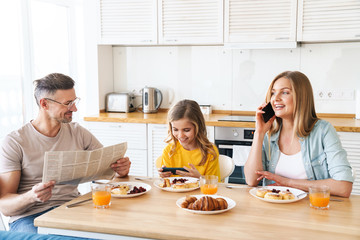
(322, 154)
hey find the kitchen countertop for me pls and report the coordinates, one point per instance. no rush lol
(155, 215)
(342, 123)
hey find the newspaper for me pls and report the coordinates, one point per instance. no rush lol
(74, 167)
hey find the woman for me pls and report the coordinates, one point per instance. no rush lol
(300, 150)
(188, 145)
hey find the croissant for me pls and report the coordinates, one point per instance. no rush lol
(188, 200)
(208, 203)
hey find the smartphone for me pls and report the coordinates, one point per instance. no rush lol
(173, 170)
(269, 112)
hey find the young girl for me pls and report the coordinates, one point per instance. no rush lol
(188, 145)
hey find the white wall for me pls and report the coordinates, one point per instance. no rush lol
(235, 79)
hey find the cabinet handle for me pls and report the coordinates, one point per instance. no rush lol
(117, 126)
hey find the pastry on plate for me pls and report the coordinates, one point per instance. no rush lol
(179, 186)
(208, 203)
(120, 190)
(165, 183)
(273, 196)
(192, 184)
(260, 192)
(187, 201)
(287, 195)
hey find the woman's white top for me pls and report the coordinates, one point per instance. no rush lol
(291, 166)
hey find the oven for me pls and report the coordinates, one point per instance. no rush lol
(225, 140)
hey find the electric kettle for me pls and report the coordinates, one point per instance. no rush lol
(151, 99)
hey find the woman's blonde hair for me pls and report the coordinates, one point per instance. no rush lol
(304, 108)
(190, 110)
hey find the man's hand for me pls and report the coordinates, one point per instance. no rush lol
(122, 166)
(42, 192)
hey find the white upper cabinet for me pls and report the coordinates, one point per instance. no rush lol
(190, 22)
(128, 22)
(260, 22)
(329, 20)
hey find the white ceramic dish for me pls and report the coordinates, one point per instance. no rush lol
(132, 185)
(295, 191)
(157, 183)
(231, 204)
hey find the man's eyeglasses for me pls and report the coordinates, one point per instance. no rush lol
(69, 105)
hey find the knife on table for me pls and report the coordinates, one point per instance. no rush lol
(77, 203)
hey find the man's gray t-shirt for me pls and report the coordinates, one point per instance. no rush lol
(23, 150)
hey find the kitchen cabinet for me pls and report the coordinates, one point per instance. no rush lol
(260, 23)
(128, 22)
(190, 22)
(110, 133)
(351, 143)
(328, 20)
(157, 133)
(165, 22)
(234, 23)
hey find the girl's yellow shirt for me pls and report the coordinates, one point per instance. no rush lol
(183, 157)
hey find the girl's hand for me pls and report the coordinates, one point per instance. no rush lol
(279, 180)
(192, 172)
(164, 174)
(260, 125)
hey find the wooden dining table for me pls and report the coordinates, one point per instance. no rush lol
(155, 215)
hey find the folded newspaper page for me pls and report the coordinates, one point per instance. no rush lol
(74, 167)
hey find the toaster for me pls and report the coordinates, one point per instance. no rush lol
(119, 102)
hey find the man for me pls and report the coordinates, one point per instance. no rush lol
(22, 194)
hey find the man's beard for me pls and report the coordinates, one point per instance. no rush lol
(65, 120)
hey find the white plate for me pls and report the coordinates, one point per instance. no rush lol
(231, 204)
(295, 191)
(132, 184)
(157, 183)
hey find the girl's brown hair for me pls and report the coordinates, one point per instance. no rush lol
(304, 108)
(190, 110)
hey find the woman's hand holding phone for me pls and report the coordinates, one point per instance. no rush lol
(264, 112)
(268, 112)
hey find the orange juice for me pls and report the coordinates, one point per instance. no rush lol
(319, 199)
(208, 189)
(101, 198)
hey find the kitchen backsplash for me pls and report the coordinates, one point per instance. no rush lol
(236, 79)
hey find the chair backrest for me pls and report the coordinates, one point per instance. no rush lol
(227, 167)
(158, 162)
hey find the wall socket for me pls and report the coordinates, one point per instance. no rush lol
(339, 94)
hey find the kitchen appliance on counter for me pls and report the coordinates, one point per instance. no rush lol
(234, 118)
(119, 102)
(226, 140)
(151, 99)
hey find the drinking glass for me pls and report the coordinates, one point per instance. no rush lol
(209, 184)
(319, 197)
(101, 195)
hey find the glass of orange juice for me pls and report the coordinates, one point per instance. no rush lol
(208, 184)
(319, 197)
(101, 195)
